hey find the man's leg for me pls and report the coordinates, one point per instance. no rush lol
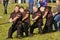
(11, 30)
(26, 27)
(56, 19)
(5, 7)
(45, 29)
(19, 30)
(49, 28)
(31, 7)
(55, 25)
(15, 1)
(59, 25)
(35, 25)
(40, 28)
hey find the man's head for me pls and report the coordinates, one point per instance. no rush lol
(57, 2)
(42, 8)
(16, 8)
(21, 9)
(35, 8)
(27, 11)
(47, 8)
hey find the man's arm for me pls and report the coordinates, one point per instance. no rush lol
(36, 17)
(12, 20)
(27, 15)
(15, 19)
(45, 14)
(55, 13)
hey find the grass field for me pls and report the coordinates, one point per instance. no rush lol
(5, 27)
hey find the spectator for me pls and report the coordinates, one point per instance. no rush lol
(38, 3)
(23, 1)
(31, 3)
(45, 2)
(42, 3)
(19, 1)
(35, 2)
(15, 1)
(5, 3)
(57, 15)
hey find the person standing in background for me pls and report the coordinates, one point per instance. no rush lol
(41, 3)
(23, 1)
(45, 2)
(38, 3)
(31, 3)
(5, 3)
(19, 1)
(35, 2)
(15, 1)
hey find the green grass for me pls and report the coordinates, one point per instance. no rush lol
(5, 27)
